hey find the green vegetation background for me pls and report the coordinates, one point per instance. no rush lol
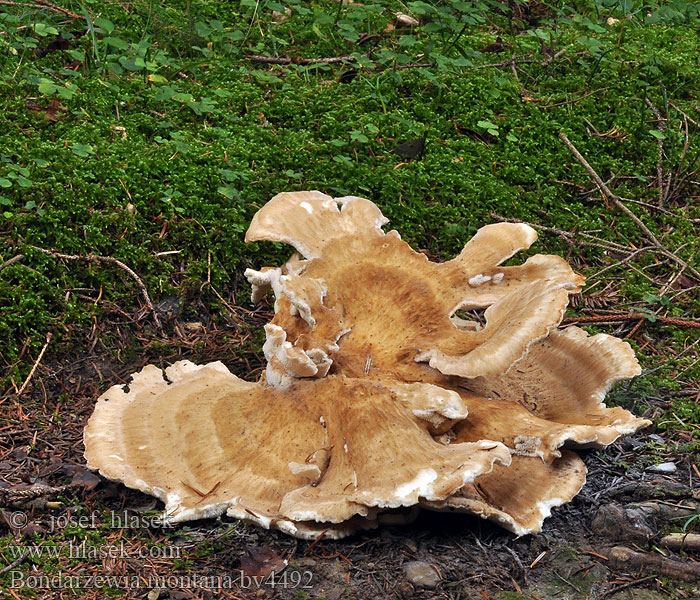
(145, 132)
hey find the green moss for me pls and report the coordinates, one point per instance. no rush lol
(177, 156)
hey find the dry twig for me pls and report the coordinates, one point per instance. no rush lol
(33, 3)
(619, 588)
(632, 317)
(661, 124)
(36, 364)
(13, 497)
(15, 563)
(12, 260)
(570, 237)
(284, 60)
(684, 114)
(94, 258)
(619, 202)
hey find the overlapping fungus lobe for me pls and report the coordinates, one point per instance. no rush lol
(378, 397)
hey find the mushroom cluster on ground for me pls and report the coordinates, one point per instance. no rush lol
(379, 396)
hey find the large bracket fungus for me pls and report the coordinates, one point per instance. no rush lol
(377, 398)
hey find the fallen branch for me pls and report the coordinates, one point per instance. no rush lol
(570, 237)
(15, 563)
(94, 258)
(615, 317)
(53, 7)
(574, 100)
(628, 560)
(14, 259)
(36, 364)
(284, 60)
(684, 114)
(682, 541)
(619, 202)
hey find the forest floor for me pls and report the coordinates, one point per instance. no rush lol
(151, 133)
(78, 526)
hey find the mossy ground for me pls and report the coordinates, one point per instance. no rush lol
(145, 132)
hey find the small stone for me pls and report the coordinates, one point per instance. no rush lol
(667, 467)
(421, 574)
(622, 524)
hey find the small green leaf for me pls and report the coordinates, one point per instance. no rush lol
(47, 88)
(76, 54)
(81, 149)
(21, 170)
(229, 191)
(132, 64)
(490, 127)
(657, 134)
(105, 24)
(358, 136)
(6, 183)
(66, 92)
(202, 29)
(42, 29)
(183, 97)
(116, 43)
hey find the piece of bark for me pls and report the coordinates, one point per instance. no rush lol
(17, 497)
(628, 560)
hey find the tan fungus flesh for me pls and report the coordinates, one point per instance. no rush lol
(209, 442)
(521, 496)
(388, 306)
(370, 374)
(553, 396)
